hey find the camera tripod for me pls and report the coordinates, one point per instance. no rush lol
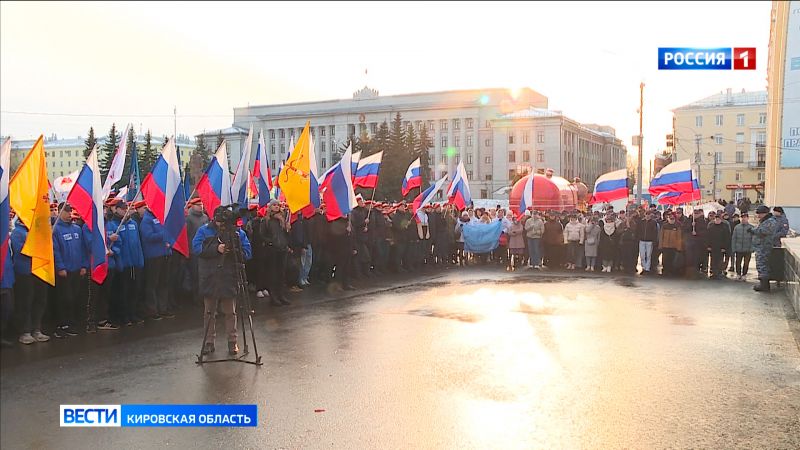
(230, 238)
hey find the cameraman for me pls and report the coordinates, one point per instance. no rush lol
(215, 244)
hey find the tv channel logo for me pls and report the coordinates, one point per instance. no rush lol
(91, 415)
(723, 58)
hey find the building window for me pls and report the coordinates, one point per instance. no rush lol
(487, 177)
(61, 153)
(739, 157)
(322, 131)
(740, 138)
(484, 193)
(762, 118)
(469, 175)
(526, 137)
(468, 123)
(272, 149)
(761, 176)
(718, 176)
(488, 124)
(283, 148)
(457, 141)
(487, 160)
(540, 156)
(761, 138)
(526, 156)
(738, 176)
(282, 133)
(443, 158)
(273, 164)
(443, 124)
(698, 121)
(740, 120)
(322, 146)
(511, 138)
(444, 141)
(487, 143)
(456, 124)
(324, 163)
(718, 120)
(272, 134)
(718, 139)
(69, 153)
(718, 157)
(332, 129)
(512, 156)
(540, 137)
(69, 163)
(511, 174)
(469, 140)
(430, 125)
(469, 158)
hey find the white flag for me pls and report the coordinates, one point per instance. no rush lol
(118, 164)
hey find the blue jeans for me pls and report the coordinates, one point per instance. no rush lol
(305, 263)
(535, 251)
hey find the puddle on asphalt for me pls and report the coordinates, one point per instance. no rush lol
(461, 317)
(625, 282)
(681, 320)
(517, 280)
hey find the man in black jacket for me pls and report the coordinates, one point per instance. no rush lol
(218, 246)
(696, 246)
(647, 235)
(273, 231)
(719, 243)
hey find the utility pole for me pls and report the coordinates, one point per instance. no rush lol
(697, 159)
(175, 123)
(639, 169)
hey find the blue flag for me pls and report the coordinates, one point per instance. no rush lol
(134, 180)
(481, 237)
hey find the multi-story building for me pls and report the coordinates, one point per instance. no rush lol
(724, 136)
(495, 133)
(64, 156)
(783, 136)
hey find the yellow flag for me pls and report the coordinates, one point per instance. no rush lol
(28, 195)
(295, 177)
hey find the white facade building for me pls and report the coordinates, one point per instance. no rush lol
(469, 125)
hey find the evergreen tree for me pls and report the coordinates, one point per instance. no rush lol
(381, 138)
(107, 154)
(90, 142)
(148, 155)
(421, 151)
(396, 159)
(201, 150)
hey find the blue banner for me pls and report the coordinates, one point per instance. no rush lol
(481, 237)
(189, 415)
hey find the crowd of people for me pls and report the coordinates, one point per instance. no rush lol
(287, 253)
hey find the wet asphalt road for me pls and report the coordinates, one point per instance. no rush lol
(475, 358)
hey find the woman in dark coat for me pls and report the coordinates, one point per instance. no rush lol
(608, 251)
(628, 245)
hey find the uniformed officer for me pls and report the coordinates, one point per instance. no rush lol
(764, 241)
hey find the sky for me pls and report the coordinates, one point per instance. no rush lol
(72, 65)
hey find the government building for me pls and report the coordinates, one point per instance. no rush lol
(497, 133)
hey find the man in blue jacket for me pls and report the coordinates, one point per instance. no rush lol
(30, 290)
(6, 297)
(156, 252)
(124, 232)
(71, 263)
(214, 244)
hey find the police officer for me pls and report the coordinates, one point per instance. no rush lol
(764, 241)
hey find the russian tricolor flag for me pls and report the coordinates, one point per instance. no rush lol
(458, 193)
(527, 196)
(413, 179)
(261, 172)
(214, 187)
(676, 177)
(5, 207)
(337, 188)
(610, 187)
(426, 196)
(680, 198)
(367, 171)
(239, 183)
(162, 190)
(86, 197)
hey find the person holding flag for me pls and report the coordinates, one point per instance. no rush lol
(458, 192)
(6, 269)
(239, 183)
(261, 172)
(32, 240)
(412, 179)
(71, 263)
(117, 164)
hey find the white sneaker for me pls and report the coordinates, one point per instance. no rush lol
(260, 294)
(26, 339)
(40, 337)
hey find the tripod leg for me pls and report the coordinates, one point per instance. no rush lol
(253, 337)
(205, 334)
(244, 330)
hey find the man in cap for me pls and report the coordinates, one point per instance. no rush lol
(765, 238)
(126, 245)
(71, 263)
(157, 253)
